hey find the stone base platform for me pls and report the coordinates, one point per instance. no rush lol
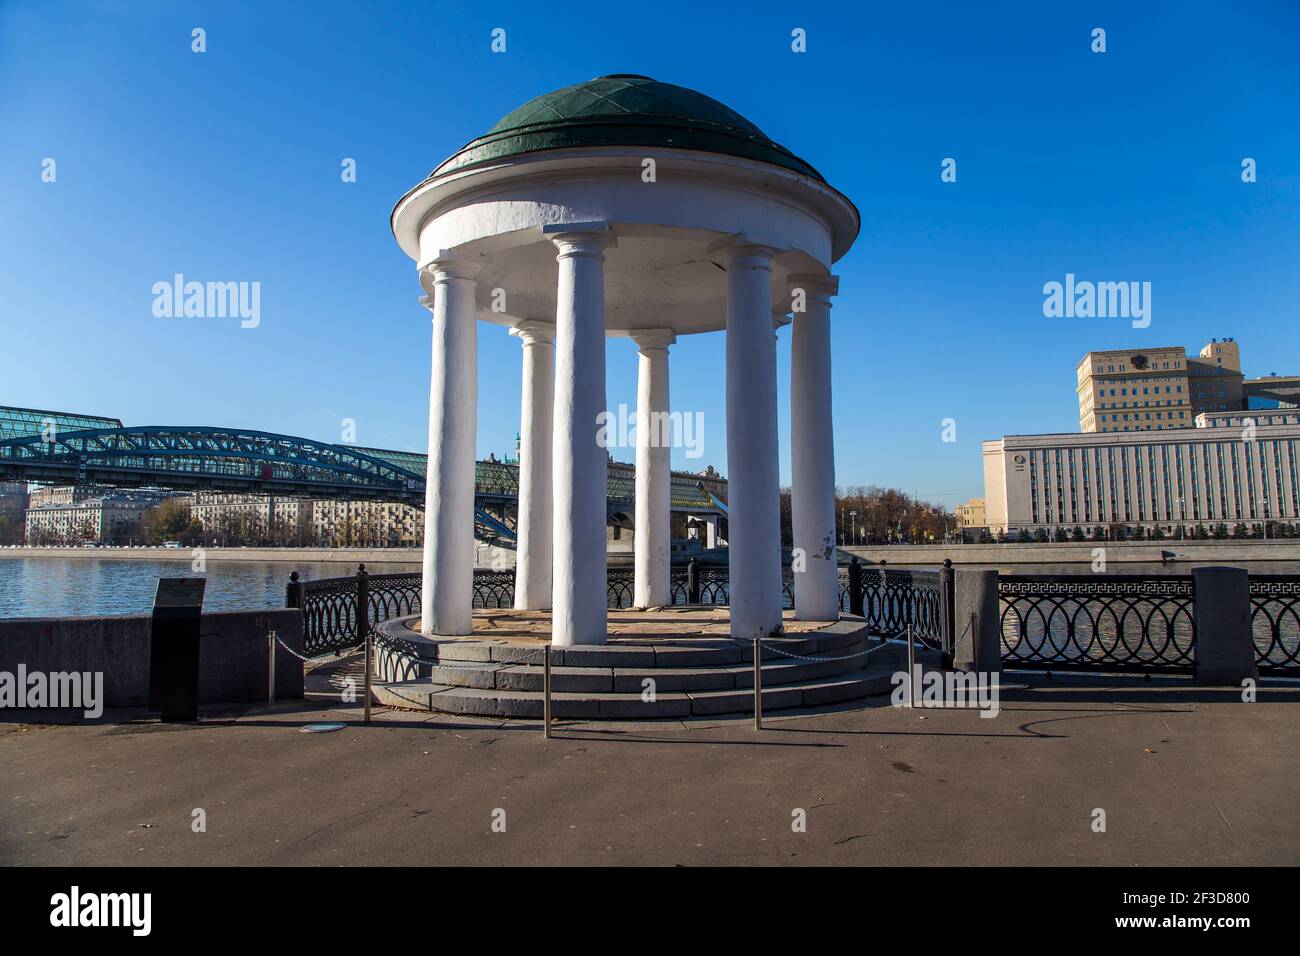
(662, 663)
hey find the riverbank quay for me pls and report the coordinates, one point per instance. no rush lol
(1170, 552)
(1173, 552)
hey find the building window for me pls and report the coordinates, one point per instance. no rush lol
(1033, 484)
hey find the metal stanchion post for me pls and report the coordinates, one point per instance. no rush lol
(368, 667)
(546, 695)
(911, 669)
(363, 627)
(758, 684)
(270, 670)
(856, 603)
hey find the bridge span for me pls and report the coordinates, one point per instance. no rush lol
(62, 448)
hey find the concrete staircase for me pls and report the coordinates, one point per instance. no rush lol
(635, 679)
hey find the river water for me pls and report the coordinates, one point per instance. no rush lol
(85, 586)
(82, 587)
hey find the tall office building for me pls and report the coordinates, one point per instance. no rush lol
(1125, 390)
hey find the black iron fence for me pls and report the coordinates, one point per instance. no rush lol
(1065, 621)
(1275, 622)
(1094, 622)
(338, 613)
(894, 602)
(891, 601)
(492, 589)
(330, 606)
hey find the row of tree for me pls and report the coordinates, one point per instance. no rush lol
(11, 527)
(1123, 532)
(871, 516)
(170, 521)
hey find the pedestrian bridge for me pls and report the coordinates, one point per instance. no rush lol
(60, 448)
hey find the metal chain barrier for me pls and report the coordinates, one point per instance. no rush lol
(308, 660)
(816, 660)
(957, 643)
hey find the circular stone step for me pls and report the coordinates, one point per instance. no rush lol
(625, 679)
(483, 702)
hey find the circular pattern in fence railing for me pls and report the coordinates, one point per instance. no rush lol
(1275, 623)
(1120, 624)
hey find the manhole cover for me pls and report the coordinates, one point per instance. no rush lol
(322, 728)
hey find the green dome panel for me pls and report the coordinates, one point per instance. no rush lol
(625, 109)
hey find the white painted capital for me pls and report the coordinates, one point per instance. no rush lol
(448, 265)
(819, 288)
(532, 332)
(580, 239)
(742, 254)
(648, 339)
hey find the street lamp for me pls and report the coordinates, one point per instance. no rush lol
(1266, 517)
(1182, 519)
(853, 534)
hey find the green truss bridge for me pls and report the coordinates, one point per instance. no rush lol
(62, 449)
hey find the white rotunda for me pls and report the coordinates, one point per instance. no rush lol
(625, 206)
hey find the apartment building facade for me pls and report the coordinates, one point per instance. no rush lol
(972, 515)
(62, 519)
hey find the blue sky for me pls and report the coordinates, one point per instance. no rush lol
(225, 165)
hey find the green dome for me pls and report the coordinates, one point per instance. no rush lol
(625, 109)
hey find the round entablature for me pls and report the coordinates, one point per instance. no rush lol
(654, 279)
(665, 266)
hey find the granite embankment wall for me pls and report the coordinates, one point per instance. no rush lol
(1081, 552)
(233, 653)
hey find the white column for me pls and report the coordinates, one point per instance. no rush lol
(653, 473)
(753, 492)
(579, 591)
(448, 585)
(812, 450)
(711, 532)
(533, 530)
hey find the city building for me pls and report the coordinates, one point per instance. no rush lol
(1214, 378)
(1230, 468)
(371, 524)
(252, 519)
(1272, 391)
(1155, 389)
(106, 518)
(41, 496)
(972, 515)
(1132, 391)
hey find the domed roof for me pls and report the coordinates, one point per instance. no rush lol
(625, 109)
